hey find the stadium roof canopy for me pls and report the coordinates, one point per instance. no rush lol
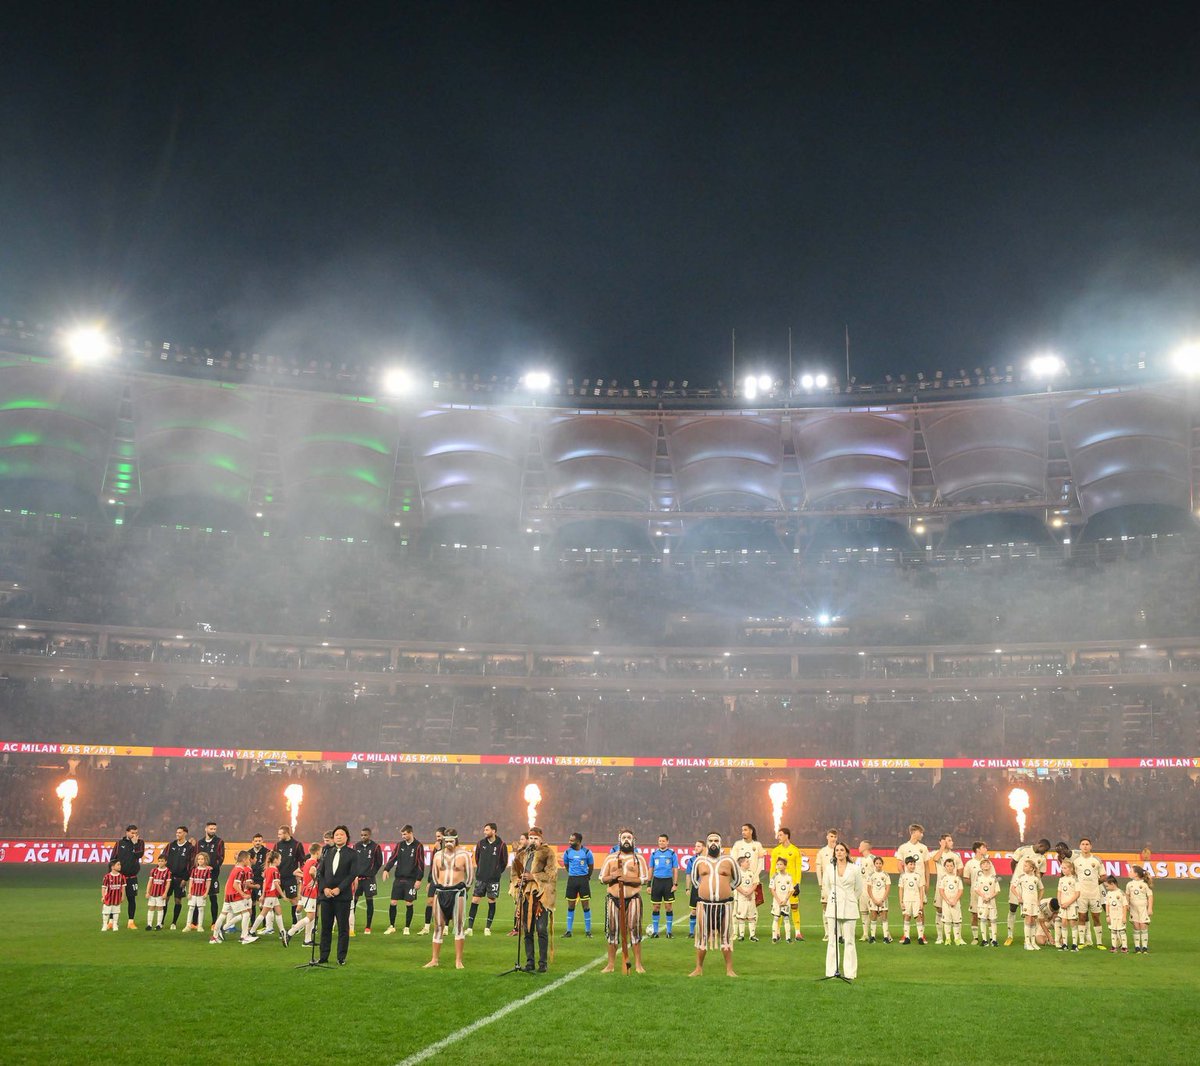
(129, 441)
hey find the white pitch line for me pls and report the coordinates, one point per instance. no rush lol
(508, 1008)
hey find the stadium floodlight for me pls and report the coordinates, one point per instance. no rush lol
(807, 381)
(823, 619)
(397, 381)
(88, 345)
(1186, 359)
(754, 384)
(537, 381)
(1046, 365)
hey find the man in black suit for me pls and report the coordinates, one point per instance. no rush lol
(335, 876)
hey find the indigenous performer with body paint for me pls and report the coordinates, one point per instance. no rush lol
(715, 876)
(451, 879)
(624, 872)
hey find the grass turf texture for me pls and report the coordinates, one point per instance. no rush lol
(71, 994)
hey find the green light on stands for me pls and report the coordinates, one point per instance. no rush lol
(124, 468)
(406, 508)
(371, 443)
(28, 403)
(226, 429)
(118, 521)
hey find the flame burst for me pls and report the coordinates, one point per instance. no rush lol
(1018, 800)
(67, 791)
(779, 796)
(533, 796)
(294, 794)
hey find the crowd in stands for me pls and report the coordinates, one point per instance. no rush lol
(379, 591)
(1119, 811)
(372, 591)
(1126, 721)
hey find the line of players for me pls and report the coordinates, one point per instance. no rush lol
(1068, 919)
(188, 871)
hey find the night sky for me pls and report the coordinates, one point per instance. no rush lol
(607, 189)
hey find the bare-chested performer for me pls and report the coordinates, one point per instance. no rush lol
(452, 877)
(714, 876)
(624, 872)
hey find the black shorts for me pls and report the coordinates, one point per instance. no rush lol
(288, 884)
(693, 897)
(366, 887)
(579, 886)
(662, 890)
(179, 887)
(490, 889)
(404, 888)
(255, 894)
(431, 890)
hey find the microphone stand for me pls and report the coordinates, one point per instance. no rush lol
(838, 942)
(523, 905)
(312, 963)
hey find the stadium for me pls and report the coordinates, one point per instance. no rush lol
(449, 605)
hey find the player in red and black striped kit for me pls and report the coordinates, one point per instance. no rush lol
(158, 884)
(112, 891)
(270, 913)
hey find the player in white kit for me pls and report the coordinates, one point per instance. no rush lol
(950, 890)
(878, 887)
(985, 887)
(1117, 908)
(1089, 871)
(1068, 905)
(1141, 909)
(970, 872)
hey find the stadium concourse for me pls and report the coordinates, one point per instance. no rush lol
(208, 589)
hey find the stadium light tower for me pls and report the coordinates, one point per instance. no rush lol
(1186, 359)
(537, 381)
(753, 384)
(1046, 366)
(808, 382)
(397, 381)
(87, 345)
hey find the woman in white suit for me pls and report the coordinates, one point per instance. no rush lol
(842, 887)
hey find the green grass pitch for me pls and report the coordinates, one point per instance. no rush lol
(70, 994)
